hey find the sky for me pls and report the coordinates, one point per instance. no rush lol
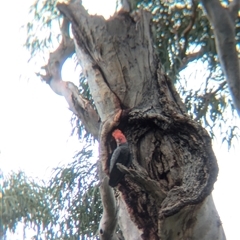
(35, 123)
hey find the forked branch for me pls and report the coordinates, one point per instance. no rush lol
(77, 103)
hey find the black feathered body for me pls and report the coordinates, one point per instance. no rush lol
(120, 155)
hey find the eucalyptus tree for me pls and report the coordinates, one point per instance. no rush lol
(131, 65)
(67, 207)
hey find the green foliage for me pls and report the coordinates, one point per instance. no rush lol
(24, 200)
(184, 41)
(44, 17)
(209, 102)
(182, 36)
(67, 207)
(76, 194)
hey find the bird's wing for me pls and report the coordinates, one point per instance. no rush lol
(114, 157)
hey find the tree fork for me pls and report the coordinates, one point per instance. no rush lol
(173, 151)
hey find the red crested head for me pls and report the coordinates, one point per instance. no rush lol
(119, 136)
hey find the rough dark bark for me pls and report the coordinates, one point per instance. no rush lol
(167, 190)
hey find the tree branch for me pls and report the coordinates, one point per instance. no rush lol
(89, 53)
(77, 103)
(84, 110)
(103, 99)
(206, 100)
(233, 8)
(189, 28)
(224, 31)
(56, 60)
(191, 57)
(108, 223)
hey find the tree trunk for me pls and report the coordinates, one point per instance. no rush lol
(167, 189)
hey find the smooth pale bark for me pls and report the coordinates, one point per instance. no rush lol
(77, 103)
(223, 22)
(167, 190)
(129, 229)
(194, 222)
(108, 224)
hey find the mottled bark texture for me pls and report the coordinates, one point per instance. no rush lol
(167, 190)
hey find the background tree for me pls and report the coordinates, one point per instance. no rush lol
(84, 107)
(67, 207)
